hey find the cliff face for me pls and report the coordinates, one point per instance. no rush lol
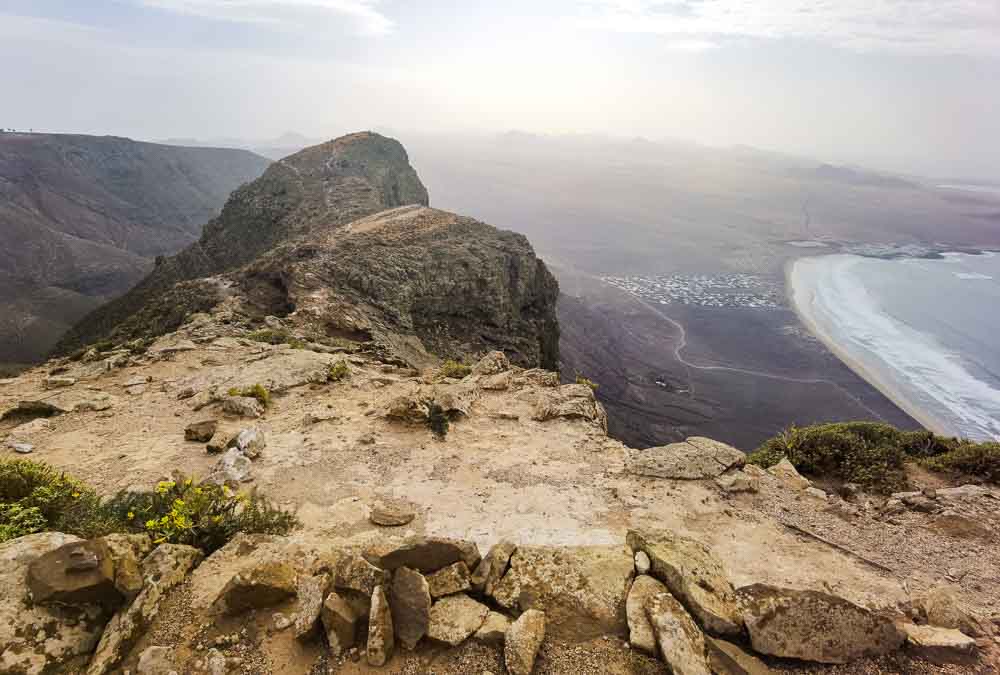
(82, 217)
(338, 239)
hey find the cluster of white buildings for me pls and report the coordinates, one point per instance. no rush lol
(724, 290)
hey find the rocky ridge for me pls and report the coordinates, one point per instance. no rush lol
(526, 542)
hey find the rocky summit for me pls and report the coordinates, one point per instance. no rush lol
(387, 379)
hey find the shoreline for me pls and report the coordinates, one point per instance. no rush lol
(800, 301)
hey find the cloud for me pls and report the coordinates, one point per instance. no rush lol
(363, 13)
(933, 26)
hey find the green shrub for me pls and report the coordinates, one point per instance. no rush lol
(338, 371)
(580, 379)
(437, 420)
(35, 497)
(277, 336)
(454, 369)
(257, 391)
(873, 454)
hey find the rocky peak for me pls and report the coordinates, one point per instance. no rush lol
(338, 240)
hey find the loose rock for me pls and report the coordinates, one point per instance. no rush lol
(201, 432)
(681, 642)
(940, 645)
(425, 554)
(357, 574)
(251, 442)
(340, 622)
(391, 512)
(492, 568)
(494, 629)
(311, 592)
(786, 473)
(640, 630)
(455, 618)
(242, 406)
(452, 579)
(263, 585)
(381, 639)
(522, 641)
(725, 658)
(410, 603)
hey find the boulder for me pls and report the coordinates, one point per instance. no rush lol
(57, 382)
(681, 642)
(581, 590)
(492, 568)
(814, 626)
(311, 592)
(242, 406)
(410, 604)
(221, 440)
(494, 629)
(695, 576)
(79, 573)
(232, 468)
(940, 607)
(693, 459)
(340, 622)
(381, 640)
(391, 512)
(725, 658)
(262, 585)
(357, 574)
(491, 364)
(939, 645)
(734, 482)
(127, 551)
(640, 630)
(498, 382)
(456, 617)
(449, 580)
(157, 661)
(201, 432)
(523, 639)
(570, 401)
(788, 476)
(38, 638)
(424, 554)
(162, 569)
(251, 442)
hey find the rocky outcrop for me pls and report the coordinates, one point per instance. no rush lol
(694, 459)
(814, 626)
(338, 239)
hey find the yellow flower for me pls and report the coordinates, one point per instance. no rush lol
(131, 515)
(75, 495)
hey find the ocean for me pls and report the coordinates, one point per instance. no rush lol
(924, 332)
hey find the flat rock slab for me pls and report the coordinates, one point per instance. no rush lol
(814, 626)
(681, 642)
(694, 575)
(450, 580)
(523, 639)
(424, 554)
(410, 604)
(392, 512)
(693, 459)
(725, 658)
(455, 618)
(381, 638)
(640, 630)
(940, 645)
(581, 590)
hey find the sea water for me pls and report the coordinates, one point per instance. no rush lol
(924, 331)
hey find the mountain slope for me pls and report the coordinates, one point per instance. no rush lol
(82, 217)
(304, 242)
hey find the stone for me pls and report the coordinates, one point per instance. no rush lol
(201, 432)
(523, 639)
(449, 580)
(340, 622)
(498, 382)
(164, 568)
(640, 630)
(816, 493)
(494, 629)
(642, 563)
(410, 603)
(391, 512)
(280, 621)
(38, 638)
(940, 607)
(232, 468)
(454, 618)
(311, 593)
(178, 346)
(242, 406)
(939, 645)
(357, 574)
(127, 551)
(79, 573)
(735, 482)
(491, 364)
(680, 641)
(381, 638)
(788, 476)
(32, 428)
(693, 459)
(424, 554)
(156, 661)
(21, 448)
(57, 382)
(492, 568)
(265, 584)
(570, 401)
(814, 626)
(251, 442)
(695, 576)
(725, 658)
(581, 590)
(221, 441)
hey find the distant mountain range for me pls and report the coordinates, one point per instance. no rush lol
(82, 218)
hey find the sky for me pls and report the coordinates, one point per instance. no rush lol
(902, 85)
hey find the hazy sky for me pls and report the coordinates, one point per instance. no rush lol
(910, 85)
